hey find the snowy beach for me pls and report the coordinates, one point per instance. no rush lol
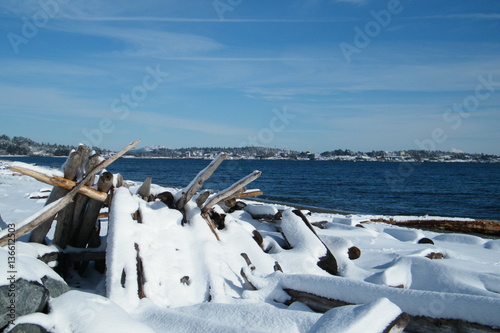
(195, 282)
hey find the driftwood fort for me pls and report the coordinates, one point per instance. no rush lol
(150, 234)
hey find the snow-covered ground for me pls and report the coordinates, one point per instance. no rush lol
(196, 283)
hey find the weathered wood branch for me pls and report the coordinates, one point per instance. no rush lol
(198, 181)
(61, 183)
(231, 190)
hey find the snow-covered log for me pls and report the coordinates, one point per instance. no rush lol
(300, 234)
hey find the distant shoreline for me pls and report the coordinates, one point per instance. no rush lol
(274, 159)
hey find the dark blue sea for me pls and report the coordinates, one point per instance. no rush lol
(388, 188)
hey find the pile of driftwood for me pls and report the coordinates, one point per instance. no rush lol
(76, 206)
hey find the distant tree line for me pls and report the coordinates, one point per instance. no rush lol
(19, 145)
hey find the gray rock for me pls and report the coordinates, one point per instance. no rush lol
(30, 297)
(28, 328)
(56, 288)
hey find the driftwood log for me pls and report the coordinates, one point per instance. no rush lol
(60, 183)
(483, 227)
(230, 191)
(82, 200)
(199, 180)
(83, 233)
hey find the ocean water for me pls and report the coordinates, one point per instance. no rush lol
(443, 189)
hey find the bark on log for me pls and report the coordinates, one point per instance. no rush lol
(230, 191)
(92, 213)
(198, 181)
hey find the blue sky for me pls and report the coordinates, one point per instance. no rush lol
(307, 75)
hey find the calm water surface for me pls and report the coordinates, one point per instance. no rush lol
(446, 189)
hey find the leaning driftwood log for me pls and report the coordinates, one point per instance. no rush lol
(230, 191)
(198, 181)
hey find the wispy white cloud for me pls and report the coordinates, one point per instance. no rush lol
(146, 42)
(208, 20)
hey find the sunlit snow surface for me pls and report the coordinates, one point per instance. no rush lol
(194, 282)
